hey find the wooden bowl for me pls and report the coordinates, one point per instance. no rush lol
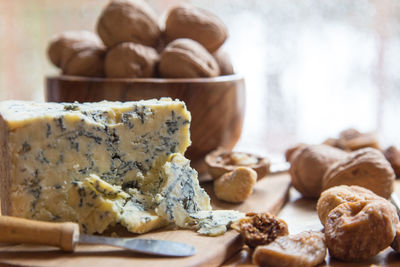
(216, 104)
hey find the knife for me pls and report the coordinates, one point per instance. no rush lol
(66, 235)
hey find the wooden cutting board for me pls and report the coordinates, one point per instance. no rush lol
(270, 195)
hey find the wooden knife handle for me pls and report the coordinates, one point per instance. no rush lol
(18, 230)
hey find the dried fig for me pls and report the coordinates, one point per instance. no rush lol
(185, 58)
(360, 230)
(308, 165)
(235, 186)
(79, 53)
(186, 21)
(305, 249)
(365, 167)
(337, 195)
(130, 60)
(128, 21)
(260, 228)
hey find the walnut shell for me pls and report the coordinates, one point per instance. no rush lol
(360, 230)
(235, 186)
(221, 161)
(78, 53)
(186, 21)
(130, 60)
(224, 62)
(185, 58)
(365, 167)
(291, 150)
(308, 165)
(303, 249)
(337, 195)
(331, 142)
(128, 21)
(392, 154)
(88, 63)
(351, 140)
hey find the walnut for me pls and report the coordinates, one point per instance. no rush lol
(79, 53)
(291, 150)
(235, 186)
(303, 249)
(128, 21)
(185, 58)
(360, 230)
(221, 161)
(186, 21)
(308, 165)
(130, 60)
(337, 195)
(243, 159)
(331, 142)
(224, 62)
(351, 139)
(392, 154)
(260, 228)
(365, 167)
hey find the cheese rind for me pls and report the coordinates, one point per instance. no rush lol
(50, 146)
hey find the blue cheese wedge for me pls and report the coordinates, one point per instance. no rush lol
(102, 164)
(49, 147)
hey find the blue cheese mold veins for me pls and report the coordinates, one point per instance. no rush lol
(103, 163)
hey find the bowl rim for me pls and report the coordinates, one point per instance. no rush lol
(218, 79)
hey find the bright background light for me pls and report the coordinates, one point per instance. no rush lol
(312, 68)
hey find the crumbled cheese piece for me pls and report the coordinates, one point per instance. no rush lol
(180, 193)
(216, 222)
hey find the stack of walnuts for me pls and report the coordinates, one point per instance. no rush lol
(132, 44)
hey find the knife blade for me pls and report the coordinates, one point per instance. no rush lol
(66, 235)
(145, 246)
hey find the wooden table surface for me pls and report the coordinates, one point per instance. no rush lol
(300, 215)
(269, 195)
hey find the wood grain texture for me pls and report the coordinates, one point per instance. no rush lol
(301, 215)
(5, 181)
(216, 104)
(16, 230)
(270, 195)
